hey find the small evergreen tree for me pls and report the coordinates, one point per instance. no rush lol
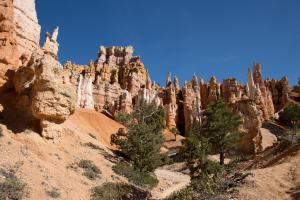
(204, 172)
(221, 128)
(143, 140)
(290, 116)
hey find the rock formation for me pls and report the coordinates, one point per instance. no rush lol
(49, 96)
(260, 93)
(252, 138)
(116, 82)
(19, 37)
(280, 92)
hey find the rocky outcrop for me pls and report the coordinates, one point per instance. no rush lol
(280, 92)
(260, 93)
(19, 37)
(48, 93)
(192, 103)
(252, 137)
(85, 92)
(9, 57)
(27, 27)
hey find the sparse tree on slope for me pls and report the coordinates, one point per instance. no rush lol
(143, 140)
(221, 128)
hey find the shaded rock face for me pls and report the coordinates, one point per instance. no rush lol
(280, 92)
(19, 37)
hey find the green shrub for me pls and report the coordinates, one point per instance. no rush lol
(290, 116)
(11, 187)
(110, 191)
(118, 191)
(53, 193)
(91, 171)
(184, 194)
(142, 179)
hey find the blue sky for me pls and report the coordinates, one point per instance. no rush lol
(208, 37)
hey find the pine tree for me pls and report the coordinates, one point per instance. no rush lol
(221, 128)
(143, 140)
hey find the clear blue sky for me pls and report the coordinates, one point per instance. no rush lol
(208, 37)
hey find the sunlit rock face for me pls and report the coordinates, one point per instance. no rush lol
(43, 87)
(19, 37)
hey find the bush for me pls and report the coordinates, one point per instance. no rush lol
(184, 194)
(142, 179)
(290, 116)
(91, 171)
(118, 191)
(53, 193)
(11, 187)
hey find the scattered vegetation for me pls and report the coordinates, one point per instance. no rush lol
(54, 193)
(92, 136)
(218, 132)
(142, 179)
(175, 132)
(290, 116)
(143, 141)
(93, 146)
(91, 171)
(117, 191)
(11, 187)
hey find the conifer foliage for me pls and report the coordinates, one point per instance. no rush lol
(143, 140)
(221, 128)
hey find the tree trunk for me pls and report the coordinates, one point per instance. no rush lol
(221, 158)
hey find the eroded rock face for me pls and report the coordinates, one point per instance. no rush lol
(192, 103)
(121, 81)
(19, 37)
(260, 93)
(49, 95)
(9, 57)
(85, 92)
(280, 92)
(252, 139)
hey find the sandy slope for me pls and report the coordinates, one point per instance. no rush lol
(276, 182)
(44, 165)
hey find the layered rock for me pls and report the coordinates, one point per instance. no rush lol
(27, 27)
(19, 37)
(9, 57)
